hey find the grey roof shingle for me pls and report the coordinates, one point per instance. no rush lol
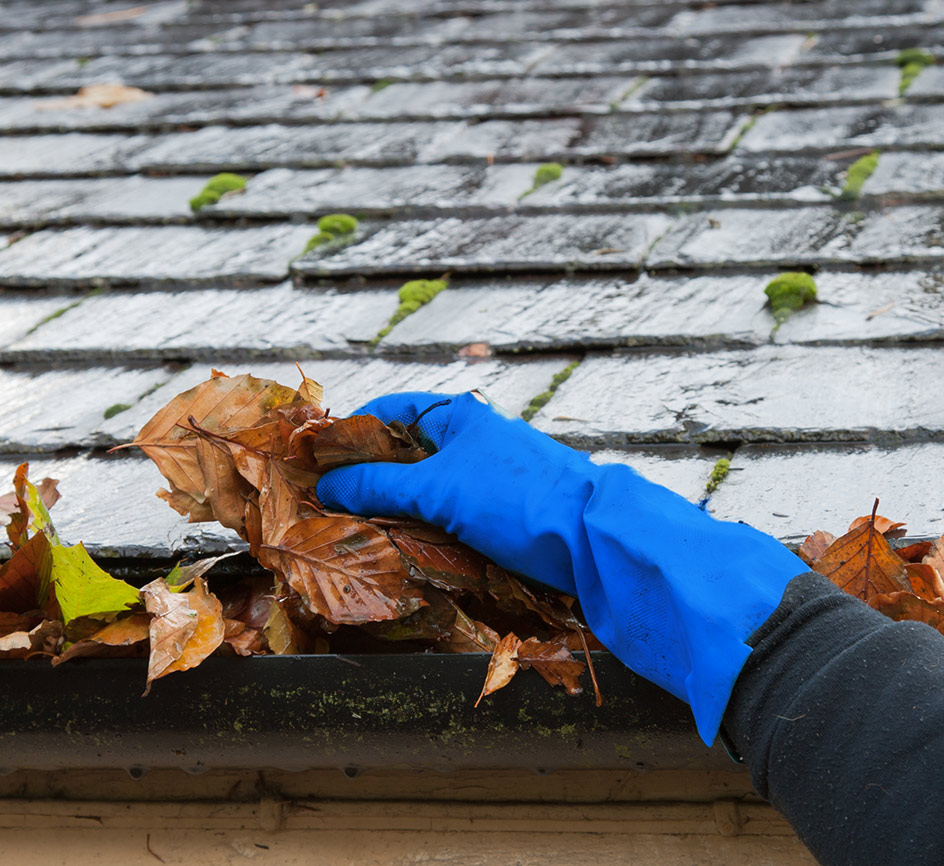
(704, 150)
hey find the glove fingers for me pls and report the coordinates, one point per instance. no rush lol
(371, 489)
(410, 406)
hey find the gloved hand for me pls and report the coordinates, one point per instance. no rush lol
(668, 589)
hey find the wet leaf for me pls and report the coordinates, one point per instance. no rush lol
(502, 666)
(244, 640)
(358, 439)
(433, 623)
(186, 627)
(43, 639)
(84, 589)
(815, 546)
(470, 636)
(220, 404)
(925, 580)
(124, 638)
(887, 527)
(346, 570)
(282, 635)
(863, 564)
(914, 552)
(906, 605)
(450, 566)
(553, 661)
(513, 596)
(935, 556)
(21, 577)
(181, 576)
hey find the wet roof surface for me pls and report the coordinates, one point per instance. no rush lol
(704, 149)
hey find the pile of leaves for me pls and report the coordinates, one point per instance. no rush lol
(248, 453)
(902, 583)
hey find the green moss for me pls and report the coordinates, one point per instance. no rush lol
(545, 173)
(332, 227)
(82, 61)
(541, 400)
(216, 187)
(788, 292)
(858, 173)
(718, 473)
(116, 409)
(413, 295)
(911, 61)
(381, 84)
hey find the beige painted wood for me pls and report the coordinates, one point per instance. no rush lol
(96, 833)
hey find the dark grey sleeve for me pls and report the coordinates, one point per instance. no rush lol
(839, 716)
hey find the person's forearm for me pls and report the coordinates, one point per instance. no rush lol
(839, 715)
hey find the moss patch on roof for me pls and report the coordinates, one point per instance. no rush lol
(537, 403)
(546, 172)
(332, 227)
(911, 61)
(216, 187)
(413, 295)
(858, 173)
(788, 292)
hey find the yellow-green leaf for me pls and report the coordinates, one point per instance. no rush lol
(84, 589)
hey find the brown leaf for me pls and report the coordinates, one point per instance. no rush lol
(11, 622)
(434, 622)
(925, 581)
(935, 556)
(914, 552)
(906, 605)
(123, 638)
(21, 576)
(815, 546)
(185, 629)
(244, 640)
(887, 527)
(553, 661)
(221, 404)
(863, 564)
(358, 439)
(346, 570)
(43, 639)
(469, 635)
(502, 666)
(282, 635)
(450, 567)
(96, 96)
(516, 598)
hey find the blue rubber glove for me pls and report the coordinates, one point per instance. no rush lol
(668, 589)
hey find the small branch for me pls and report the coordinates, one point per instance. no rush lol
(593, 673)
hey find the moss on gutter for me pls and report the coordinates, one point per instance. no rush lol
(413, 295)
(544, 397)
(911, 61)
(858, 173)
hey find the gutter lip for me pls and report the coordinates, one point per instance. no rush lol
(348, 712)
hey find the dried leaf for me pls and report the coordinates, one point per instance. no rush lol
(21, 576)
(310, 391)
(516, 598)
(345, 569)
(502, 666)
(815, 546)
(434, 622)
(906, 605)
(96, 96)
(863, 564)
(185, 629)
(11, 622)
(123, 638)
(244, 640)
(553, 661)
(283, 637)
(181, 576)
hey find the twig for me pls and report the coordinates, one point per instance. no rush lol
(868, 549)
(150, 850)
(593, 673)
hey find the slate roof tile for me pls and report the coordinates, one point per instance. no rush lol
(704, 149)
